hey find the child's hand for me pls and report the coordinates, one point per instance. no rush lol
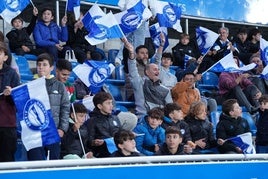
(35, 11)
(64, 21)
(7, 91)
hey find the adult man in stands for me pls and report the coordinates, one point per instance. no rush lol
(148, 91)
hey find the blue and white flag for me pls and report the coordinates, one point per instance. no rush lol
(12, 8)
(155, 31)
(264, 51)
(110, 144)
(264, 73)
(94, 73)
(228, 64)
(109, 30)
(205, 39)
(33, 110)
(131, 19)
(168, 15)
(74, 6)
(92, 14)
(186, 59)
(87, 102)
(244, 142)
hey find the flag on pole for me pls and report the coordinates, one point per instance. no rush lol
(109, 30)
(264, 51)
(94, 73)
(74, 6)
(205, 39)
(10, 9)
(244, 142)
(168, 15)
(186, 59)
(34, 114)
(131, 19)
(92, 14)
(228, 64)
(155, 31)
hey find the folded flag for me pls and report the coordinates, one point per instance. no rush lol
(205, 39)
(155, 31)
(110, 145)
(264, 51)
(168, 15)
(228, 64)
(244, 142)
(109, 30)
(74, 6)
(34, 114)
(92, 14)
(10, 9)
(131, 19)
(94, 73)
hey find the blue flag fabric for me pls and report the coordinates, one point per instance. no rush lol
(155, 31)
(109, 30)
(205, 39)
(110, 145)
(11, 8)
(168, 15)
(34, 114)
(264, 51)
(92, 14)
(74, 6)
(227, 64)
(94, 73)
(244, 142)
(131, 19)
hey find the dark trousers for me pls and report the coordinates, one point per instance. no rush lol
(8, 144)
(41, 153)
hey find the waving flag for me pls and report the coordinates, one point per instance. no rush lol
(227, 64)
(264, 51)
(12, 8)
(155, 31)
(37, 125)
(131, 19)
(205, 39)
(186, 59)
(168, 15)
(109, 30)
(92, 14)
(244, 142)
(94, 73)
(74, 6)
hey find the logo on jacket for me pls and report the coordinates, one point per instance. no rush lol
(35, 115)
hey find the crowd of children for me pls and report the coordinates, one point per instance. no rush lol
(170, 118)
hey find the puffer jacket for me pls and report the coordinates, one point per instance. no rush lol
(49, 35)
(59, 103)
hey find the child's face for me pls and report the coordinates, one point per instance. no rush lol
(44, 69)
(185, 41)
(62, 75)
(263, 106)
(106, 107)
(128, 146)
(176, 115)
(3, 57)
(166, 62)
(80, 117)
(47, 16)
(154, 122)
(173, 140)
(237, 111)
(202, 114)
(17, 24)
